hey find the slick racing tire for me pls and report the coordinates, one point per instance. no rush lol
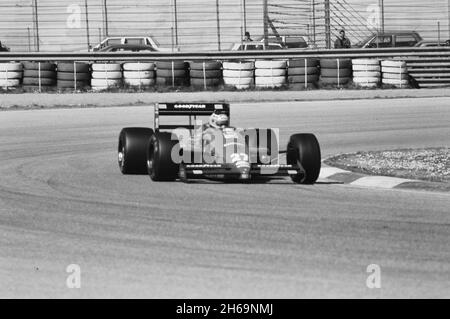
(336, 63)
(268, 82)
(335, 72)
(105, 83)
(394, 70)
(304, 150)
(334, 80)
(106, 67)
(365, 62)
(238, 73)
(301, 63)
(160, 165)
(70, 76)
(303, 71)
(137, 66)
(107, 75)
(242, 65)
(312, 78)
(11, 66)
(393, 64)
(43, 66)
(37, 82)
(72, 67)
(396, 76)
(270, 64)
(200, 66)
(205, 82)
(207, 74)
(139, 82)
(169, 65)
(132, 150)
(9, 83)
(138, 74)
(37, 74)
(68, 84)
(366, 68)
(366, 74)
(270, 72)
(169, 73)
(366, 79)
(10, 75)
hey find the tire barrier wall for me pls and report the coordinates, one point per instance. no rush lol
(239, 75)
(74, 75)
(38, 76)
(298, 73)
(394, 72)
(429, 72)
(335, 71)
(205, 74)
(140, 75)
(270, 73)
(172, 73)
(366, 72)
(106, 76)
(10, 75)
(303, 73)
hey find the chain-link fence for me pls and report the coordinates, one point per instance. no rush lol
(192, 25)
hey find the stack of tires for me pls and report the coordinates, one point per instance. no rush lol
(141, 75)
(39, 75)
(172, 73)
(270, 73)
(106, 76)
(239, 74)
(335, 72)
(205, 74)
(303, 73)
(394, 73)
(366, 72)
(73, 75)
(10, 75)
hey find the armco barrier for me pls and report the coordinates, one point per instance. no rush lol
(228, 55)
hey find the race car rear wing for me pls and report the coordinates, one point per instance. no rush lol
(192, 110)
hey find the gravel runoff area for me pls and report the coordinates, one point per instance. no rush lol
(431, 165)
(58, 100)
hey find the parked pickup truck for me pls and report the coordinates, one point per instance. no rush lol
(391, 40)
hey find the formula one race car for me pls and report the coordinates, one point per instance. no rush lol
(214, 149)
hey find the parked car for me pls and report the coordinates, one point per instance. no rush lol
(390, 40)
(127, 48)
(254, 45)
(143, 41)
(289, 41)
(433, 44)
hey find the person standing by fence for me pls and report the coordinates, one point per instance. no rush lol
(342, 42)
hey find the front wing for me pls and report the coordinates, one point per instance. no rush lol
(198, 171)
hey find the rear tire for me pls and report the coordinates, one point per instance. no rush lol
(160, 165)
(132, 150)
(304, 150)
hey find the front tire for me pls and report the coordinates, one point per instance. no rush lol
(160, 165)
(304, 150)
(132, 150)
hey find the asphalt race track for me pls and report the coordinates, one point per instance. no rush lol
(63, 201)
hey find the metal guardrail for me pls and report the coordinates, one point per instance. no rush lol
(226, 55)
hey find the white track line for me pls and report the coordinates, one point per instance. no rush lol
(380, 181)
(327, 171)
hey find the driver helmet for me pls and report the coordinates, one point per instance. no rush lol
(219, 119)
